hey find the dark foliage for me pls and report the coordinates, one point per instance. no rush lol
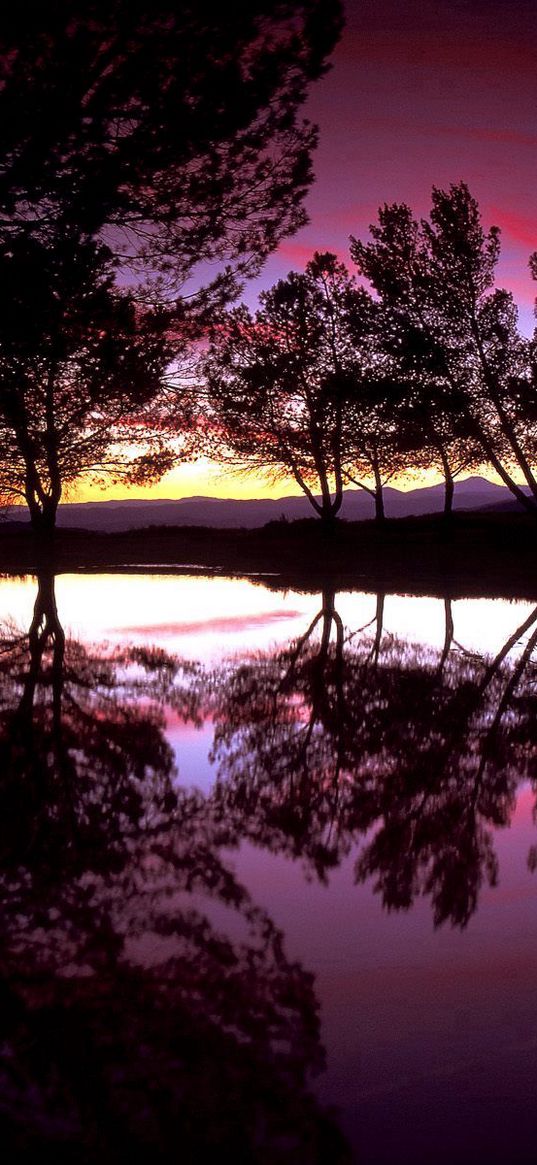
(173, 128)
(347, 741)
(158, 146)
(470, 371)
(132, 1023)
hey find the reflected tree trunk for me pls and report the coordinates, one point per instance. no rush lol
(379, 625)
(318, 691)
(38, 767)
(45, 632)
(507, 647)
(448, 634)
(514, 679)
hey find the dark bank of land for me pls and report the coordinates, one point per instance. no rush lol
(475, 554)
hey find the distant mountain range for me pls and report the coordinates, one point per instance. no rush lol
(474, 493)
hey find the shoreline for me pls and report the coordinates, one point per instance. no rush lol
(472, 555)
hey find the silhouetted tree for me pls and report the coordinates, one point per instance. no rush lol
(437, 279)
(430, 425)
(298, 389)
(79, 366)
(382, 439)
(174, 128)
(275, 381)
(168, 134)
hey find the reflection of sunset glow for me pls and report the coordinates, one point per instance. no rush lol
(220, 623)
(250, 832)
(402, 1004)
(409, 1011)
(202, 617)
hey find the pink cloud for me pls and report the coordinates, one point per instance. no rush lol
(225, 624)
(520, 227)
(300, 253)
(485, 134)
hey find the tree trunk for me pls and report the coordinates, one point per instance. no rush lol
(449, 492)
(43, 522)
(329, 513)
(379, 494)
(506, 423)
(529, 503)
(329, 523)
(44, 517)
(449, 483)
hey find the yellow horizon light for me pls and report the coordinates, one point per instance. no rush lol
(207, 478)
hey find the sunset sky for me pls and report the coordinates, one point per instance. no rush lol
(421, 93)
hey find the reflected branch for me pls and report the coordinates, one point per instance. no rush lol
(149, 1006)
(411, 755)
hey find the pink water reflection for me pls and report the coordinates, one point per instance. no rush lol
(431, 1034)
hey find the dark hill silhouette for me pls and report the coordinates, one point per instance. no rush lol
(474, 493)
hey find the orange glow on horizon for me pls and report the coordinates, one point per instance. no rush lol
(205, 478)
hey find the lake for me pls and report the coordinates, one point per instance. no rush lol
(268, 873)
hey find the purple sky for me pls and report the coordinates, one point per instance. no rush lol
(423, 93)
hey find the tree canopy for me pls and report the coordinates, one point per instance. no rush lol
(294, 389)
(79, 364)
(172, 129)
(474, 370)
(330, 384)
(153, 154)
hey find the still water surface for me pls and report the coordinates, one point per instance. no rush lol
(268, 884)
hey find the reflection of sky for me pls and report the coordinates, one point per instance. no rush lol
(208, 618)
(191, 746)
(431, 1036)
(199, 618)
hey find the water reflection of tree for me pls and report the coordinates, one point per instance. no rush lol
(82, 747)
(148, 1007)
(413, 754)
